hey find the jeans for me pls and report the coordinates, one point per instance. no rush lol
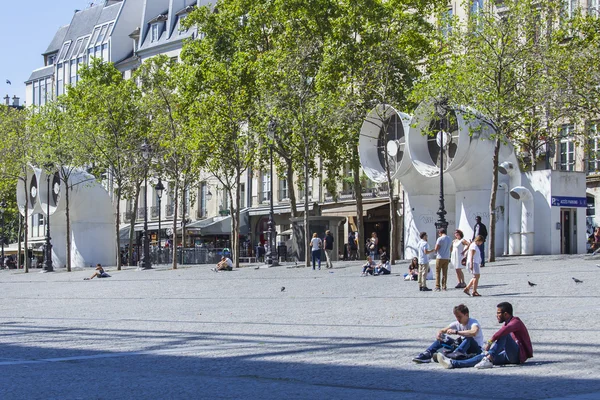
(504, 351)
(468, 346)
(316, 255)
(482, 251)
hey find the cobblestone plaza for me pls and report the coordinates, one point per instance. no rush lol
(331, 334)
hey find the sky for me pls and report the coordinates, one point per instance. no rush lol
(27, 29)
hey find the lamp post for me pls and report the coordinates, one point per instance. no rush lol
(48, 246)
(159, 192)
(145, 262)
(2, 210)
(442, 138)
(272, 257)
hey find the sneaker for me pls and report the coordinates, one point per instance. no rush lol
(422, 358)
(213, 269)
(435, 357)
(445, 361)
(425, 289)
(484, 364)
(437, 289)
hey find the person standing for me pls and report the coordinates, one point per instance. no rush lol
(328, 245)
(352, 247)
(510, 345)
(423, 251)
(316, 245)
(457, 255)
(473, 262)
(480, 230)
(373, 245)
(442, 259)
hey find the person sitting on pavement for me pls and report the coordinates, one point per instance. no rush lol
(369, 267)
(469, 332)
(413, 270)
(384, 267)
(510, 345)
(100, 273)
(224, 265)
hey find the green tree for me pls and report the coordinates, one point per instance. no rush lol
(107, 114)
(495, 62)
(17, 152)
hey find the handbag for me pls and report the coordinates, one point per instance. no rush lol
(463, 262)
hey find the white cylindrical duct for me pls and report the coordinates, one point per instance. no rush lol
(504, 187)
(524, 195)
(28, 192)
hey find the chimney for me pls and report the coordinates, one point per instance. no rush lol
(15, 100)
(7, 100)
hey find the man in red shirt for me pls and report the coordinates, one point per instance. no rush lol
(510, 345)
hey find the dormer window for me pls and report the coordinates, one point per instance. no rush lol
(157, 25)
(154, 29)
(181, 28)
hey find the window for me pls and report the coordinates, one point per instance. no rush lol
(593, 149)
(76, 48)
(63, 52)
(73, 73)
(36, 96)
(83, 46)
(476, 7)
(591, 206)
(284, 193)
(309, 190)
(566, 157)
(242, 195)
(94, 36)
(44, 85)
(182, 30)
(154, 32)
(266, 186)
(105, 52)
(102, 34)
(593, 7)
(60, 87)
(446, 23)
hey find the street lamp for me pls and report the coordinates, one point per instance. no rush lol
(2, 210)
(159, 192)
(443, 139)
(270, 257)
(145, 262)
(48, 246)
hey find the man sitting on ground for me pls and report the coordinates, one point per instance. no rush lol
(100, 273)
(224, 265)
(369, 267)
(384, 267)
(511, 344)
(467, 328)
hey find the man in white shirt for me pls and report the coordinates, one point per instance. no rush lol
(467, 328)
(423, 250)
(224, 265)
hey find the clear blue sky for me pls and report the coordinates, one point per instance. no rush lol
(27, 29)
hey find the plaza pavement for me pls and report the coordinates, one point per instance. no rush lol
(195, 334)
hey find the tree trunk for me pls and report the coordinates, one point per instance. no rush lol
(65, 179)
(306, 227)
(359, 202)
(492, 230)
(118, 222)
(133, 221)
(25, 228)
(298, 234)
(235, 221)
(175, 209)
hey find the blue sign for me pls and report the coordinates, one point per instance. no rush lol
(560, 201)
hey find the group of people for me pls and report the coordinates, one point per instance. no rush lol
(317, 244)
(511, 344)
(372, 268)
(460, 253)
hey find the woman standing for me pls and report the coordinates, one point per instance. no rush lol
(316, 245)
(373, 243)
(474, 262)
(457, 255)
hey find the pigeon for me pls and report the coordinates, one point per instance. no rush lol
(532, 284)
(577, 280)
(283, 288)
(8, 82)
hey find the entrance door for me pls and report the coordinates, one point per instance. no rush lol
(568, 234)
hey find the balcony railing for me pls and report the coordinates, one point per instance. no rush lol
(154, 212)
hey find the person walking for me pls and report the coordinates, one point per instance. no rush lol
(442, 259)
(473, 262)
(457, 255)
(328, 245)
(316, 245)
(480, 230)
(423, 251)
(352, 247)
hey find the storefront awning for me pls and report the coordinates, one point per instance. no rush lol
(350, 209)
(218, 225)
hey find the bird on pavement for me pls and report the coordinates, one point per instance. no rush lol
(283, 288)
(531, 284)
(577, 280)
